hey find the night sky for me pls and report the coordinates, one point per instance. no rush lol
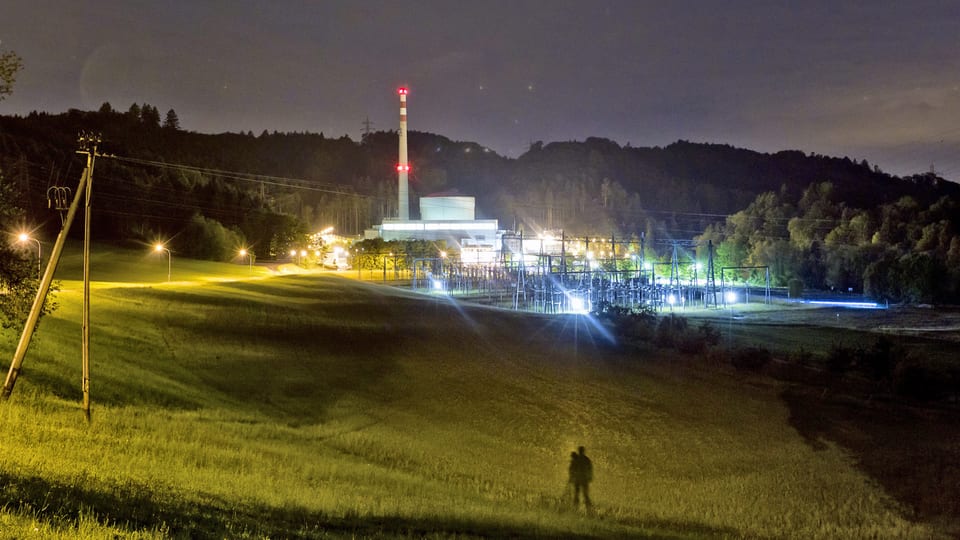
(870, 80)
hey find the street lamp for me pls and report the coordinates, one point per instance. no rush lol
(249, 256)
(298, 255)
(24, 237)
(161, 248)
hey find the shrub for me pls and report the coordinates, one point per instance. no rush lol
(709, 334)
(804, 357)
(916, 381)
(924, 383)
(670, 331)
(630, 324)
(635, 326)
(750, 358)
(690, 342)
(879, 361)
(841, 358)
(795, 288)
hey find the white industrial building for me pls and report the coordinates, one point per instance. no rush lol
(443, 217)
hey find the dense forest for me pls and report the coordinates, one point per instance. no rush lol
(825, 222)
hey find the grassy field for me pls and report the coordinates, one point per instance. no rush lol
(288, 406)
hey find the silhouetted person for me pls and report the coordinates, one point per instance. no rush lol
(581, 473)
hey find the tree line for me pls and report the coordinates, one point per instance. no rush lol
(900, 251)
(825, 221)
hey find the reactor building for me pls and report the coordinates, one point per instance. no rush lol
(447, 217)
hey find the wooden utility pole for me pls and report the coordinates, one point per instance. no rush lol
(88, 146)
(34, 316)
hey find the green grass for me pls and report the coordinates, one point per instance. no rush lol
(316, 406)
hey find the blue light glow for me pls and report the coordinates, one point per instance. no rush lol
(837, 303)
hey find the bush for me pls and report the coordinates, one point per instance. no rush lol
(635, 326)
(697, 342)
(630, 324)
(924, 383)
(879, 361)
(750, 358)
(670, 331)
(795, 288)
(841, 358)
(804, 357)
(709, 334)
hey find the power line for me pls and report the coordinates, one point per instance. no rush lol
(280, 181)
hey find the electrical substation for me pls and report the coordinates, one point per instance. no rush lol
(550, 272)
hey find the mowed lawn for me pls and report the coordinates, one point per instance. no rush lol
(318, 406)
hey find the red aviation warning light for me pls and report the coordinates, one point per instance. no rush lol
(403, 168)
(402, 91)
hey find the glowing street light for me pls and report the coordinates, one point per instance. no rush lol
(249, 256)
(159, 248)
(24, 237)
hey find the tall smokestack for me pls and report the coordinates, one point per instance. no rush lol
(403, 167)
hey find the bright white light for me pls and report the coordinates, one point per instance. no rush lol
(478, 225)
(437, 285)
(578, 305)
(731, 297)
(648, 266)
(698, 266)
(671, 299)
(23, 237)
(857, 305)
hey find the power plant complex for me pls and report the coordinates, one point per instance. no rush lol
(549, 271)
(448, 218)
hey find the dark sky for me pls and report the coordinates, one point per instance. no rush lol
(871, 80)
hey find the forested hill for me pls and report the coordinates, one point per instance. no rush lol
(589, 187)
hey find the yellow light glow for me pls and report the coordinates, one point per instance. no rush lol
(23, 237)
